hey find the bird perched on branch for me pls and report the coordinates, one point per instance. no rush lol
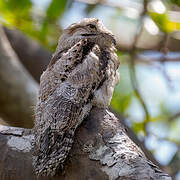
(82, 73)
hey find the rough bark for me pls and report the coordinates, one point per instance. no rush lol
(134, 138)
(101, 150)
(18, 90)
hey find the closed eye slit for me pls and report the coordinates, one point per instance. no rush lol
(88, 34)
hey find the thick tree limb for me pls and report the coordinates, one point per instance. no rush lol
(134, 138)
(18, 91)
(101, 150)
(32, 55)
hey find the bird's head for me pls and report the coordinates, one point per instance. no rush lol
(89, 28)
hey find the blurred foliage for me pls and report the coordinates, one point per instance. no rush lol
(177, 2)
(163, 20)
(52, 16)
(17, 14)
(21, 14)
(53, 13)
(44, 26)
(164, 23)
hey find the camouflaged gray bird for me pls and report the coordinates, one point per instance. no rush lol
(82, 74)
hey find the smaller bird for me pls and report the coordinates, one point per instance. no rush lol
(82, 73)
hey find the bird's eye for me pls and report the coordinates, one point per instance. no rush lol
(92, 26)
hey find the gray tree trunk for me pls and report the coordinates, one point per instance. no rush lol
(32, 55)
(102, 150)
(18, 90)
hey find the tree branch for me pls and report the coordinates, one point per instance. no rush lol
(32, 55)
(101, 150)
(134, 81)
(18, 90)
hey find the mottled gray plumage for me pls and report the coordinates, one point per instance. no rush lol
(82, 73)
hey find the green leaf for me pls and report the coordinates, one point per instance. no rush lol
(160, 19)
(120, 102)
(177, 2)
(17, 4)
(138, 127)
(164, 22)
(55, 9)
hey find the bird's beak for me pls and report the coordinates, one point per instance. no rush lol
(112, 38)
(114, 41)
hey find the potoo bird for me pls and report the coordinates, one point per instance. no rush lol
(82, 73)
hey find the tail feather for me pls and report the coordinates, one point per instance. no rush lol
(48, 162)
